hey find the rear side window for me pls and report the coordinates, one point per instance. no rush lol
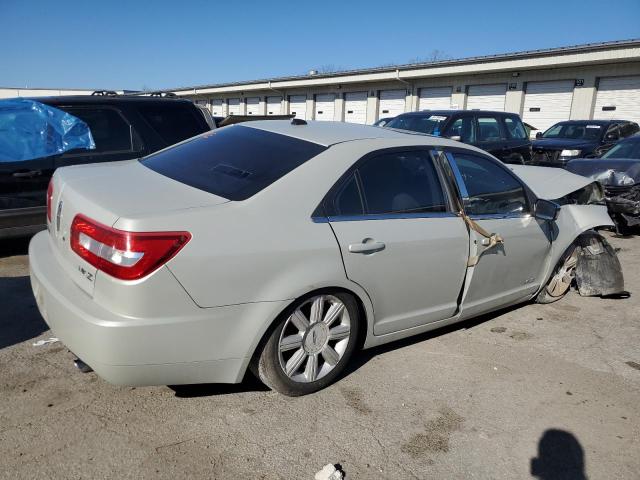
(109, 129)
(492, 189)
(403, 182)
(235, 162)
(515, 128)
(173, 123)
(391, 183)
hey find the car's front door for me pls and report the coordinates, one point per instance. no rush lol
(400, 239)
(490, 136)
(497, 201)
(517, 148)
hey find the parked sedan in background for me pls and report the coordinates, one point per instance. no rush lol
(499, 133)
(619, 172)
(383, 121)
(283, 246)
(579, 138)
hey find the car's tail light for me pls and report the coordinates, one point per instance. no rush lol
(49, 199)
(121, 254)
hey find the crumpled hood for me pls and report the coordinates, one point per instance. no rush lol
(614, 172)
(563, 143)
(550, 183)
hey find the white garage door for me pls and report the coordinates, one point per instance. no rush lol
(435, 98)
(619, 98)
(234, 106)
(253, 105)
(355, 107)
(547, 103)
(486, 97)
(392, 103)
(273, 105)
(325, 106)
(298, 106)
(216, 107)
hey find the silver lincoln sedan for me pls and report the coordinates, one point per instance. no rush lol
(283, 246)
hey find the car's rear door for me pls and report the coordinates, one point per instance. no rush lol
(498, 203)
(399, 238)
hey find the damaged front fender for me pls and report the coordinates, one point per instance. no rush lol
(600, 269)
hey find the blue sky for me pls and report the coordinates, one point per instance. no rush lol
(162, 44)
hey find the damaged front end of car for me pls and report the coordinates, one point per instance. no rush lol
(621, 181)
(581, 256)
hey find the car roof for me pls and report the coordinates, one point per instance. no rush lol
(106, 100)
(330, 133)
(588, 122)
(452, 112)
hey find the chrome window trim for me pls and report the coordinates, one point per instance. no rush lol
(500, 216)
(382, 216)
(456, 173)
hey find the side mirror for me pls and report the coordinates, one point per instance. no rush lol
(611, 137)
(538, 134)
(457, 138)
(546, 210)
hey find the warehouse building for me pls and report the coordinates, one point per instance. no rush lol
(593, 81)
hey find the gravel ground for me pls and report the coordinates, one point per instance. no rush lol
(552, 389)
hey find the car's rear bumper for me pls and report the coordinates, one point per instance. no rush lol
(211, 345)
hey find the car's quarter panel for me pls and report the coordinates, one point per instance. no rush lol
(417, 278)
(165, 340)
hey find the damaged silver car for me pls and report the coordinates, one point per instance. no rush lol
(619, 173)
(281, 247)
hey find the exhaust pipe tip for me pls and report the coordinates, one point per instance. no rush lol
(83, 367)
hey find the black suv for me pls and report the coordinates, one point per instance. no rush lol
(501, 134)
(123, 128)
(579, 138)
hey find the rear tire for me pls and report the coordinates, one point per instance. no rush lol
(310, 345)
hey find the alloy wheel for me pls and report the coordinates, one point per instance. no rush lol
(314, 338)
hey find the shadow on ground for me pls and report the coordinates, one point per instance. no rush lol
(14, 246)
(560, 456)
(19, 316)
(360, 358)
(249, 384)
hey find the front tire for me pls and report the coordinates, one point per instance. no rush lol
(311, 344)
(562, 277)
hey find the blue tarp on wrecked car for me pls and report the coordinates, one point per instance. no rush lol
(30, 129)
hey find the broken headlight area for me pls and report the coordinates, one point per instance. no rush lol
(591, 194)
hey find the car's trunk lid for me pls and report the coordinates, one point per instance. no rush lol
(104, 193)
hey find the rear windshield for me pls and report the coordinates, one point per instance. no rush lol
(431, 124)
(234, 162)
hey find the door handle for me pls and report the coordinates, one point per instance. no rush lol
(368, 245)
(27, 173)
